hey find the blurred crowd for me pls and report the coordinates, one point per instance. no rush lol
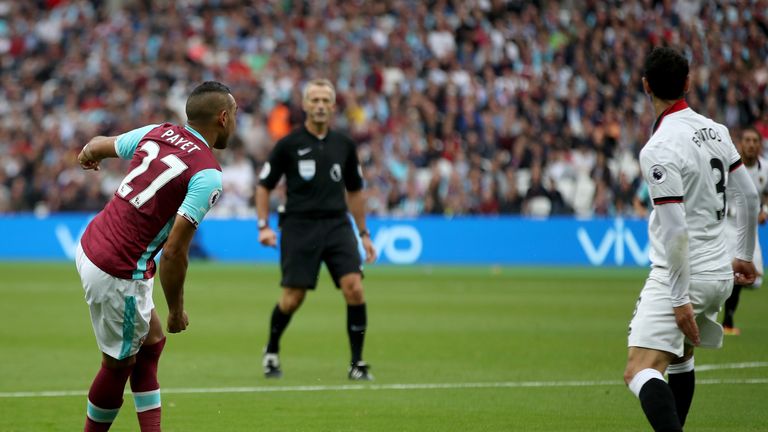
(458, 106)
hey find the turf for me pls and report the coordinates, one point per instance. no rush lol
(547, 344)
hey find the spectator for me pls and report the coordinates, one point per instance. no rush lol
(412, 204)
(238, 180)
(537, 201)
(559, 206)
(511, 203)
(624, 196)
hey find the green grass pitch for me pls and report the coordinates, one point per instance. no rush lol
(452, 349)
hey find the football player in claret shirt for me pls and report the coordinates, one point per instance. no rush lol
(688, 163)
(172, 181)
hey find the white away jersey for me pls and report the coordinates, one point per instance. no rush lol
(759, 174)
(687, 160)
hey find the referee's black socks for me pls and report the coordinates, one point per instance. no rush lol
(357, 322)
(657, 400)
(682, 381)
(277, 326)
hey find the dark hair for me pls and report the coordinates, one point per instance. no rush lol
(753, 130)
(666, 70)
(206, 101)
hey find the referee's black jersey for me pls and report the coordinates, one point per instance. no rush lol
(316, 171)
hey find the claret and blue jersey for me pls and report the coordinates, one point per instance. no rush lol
(172, 171)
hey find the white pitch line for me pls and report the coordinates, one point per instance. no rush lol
(266, 389)
(746, 365)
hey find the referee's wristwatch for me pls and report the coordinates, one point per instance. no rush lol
(262, 223)
(364, 232)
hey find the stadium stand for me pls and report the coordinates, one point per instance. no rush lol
(459, 107)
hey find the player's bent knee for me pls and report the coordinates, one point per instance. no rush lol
(290, 305)
(351, 281)
(354, 297)
(353, 292)
(154, 338)
(352, 286)
(291, 300)
(629, 373)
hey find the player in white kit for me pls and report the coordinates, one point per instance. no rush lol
(688, 163)
(750, 148)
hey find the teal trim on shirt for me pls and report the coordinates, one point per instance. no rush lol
(141, 265)
(203, 190)
(197, 134)
(126, 144)
(129, 322)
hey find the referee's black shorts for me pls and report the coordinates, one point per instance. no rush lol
(306, 242)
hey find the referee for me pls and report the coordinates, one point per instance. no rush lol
(319, 165)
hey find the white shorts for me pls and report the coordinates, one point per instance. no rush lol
(120, 308)
(757, 256)
(653, 323)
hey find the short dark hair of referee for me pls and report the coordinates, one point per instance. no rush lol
(323, 181)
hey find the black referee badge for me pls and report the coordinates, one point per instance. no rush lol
(658, 174)
(307, 169)
(336, 172)
(214, 197)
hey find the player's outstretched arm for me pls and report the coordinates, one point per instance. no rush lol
(98, 148)
(173, 271)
